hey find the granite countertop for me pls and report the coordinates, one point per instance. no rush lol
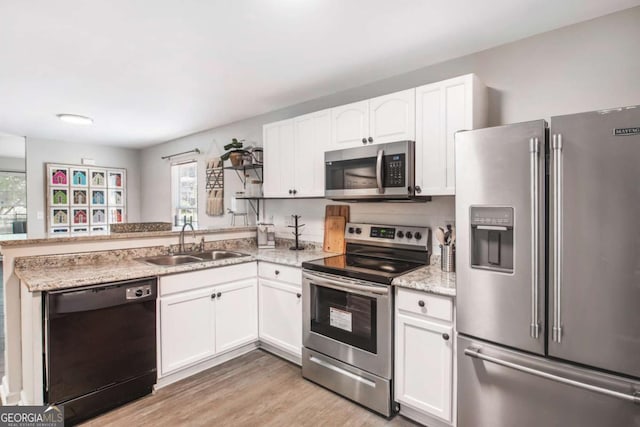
(47, 277)
(51, 272)
(429, 279)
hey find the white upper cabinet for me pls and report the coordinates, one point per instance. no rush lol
(349, 125)
(393, 117)
(294, 155)
(312, 134)
(279, 159)
(442, 109)
(430, 115)
(387, 118)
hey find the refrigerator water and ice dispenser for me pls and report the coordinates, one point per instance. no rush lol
(492, 238)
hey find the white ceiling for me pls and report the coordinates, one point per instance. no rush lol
(149, 71)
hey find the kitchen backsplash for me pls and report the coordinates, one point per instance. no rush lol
(431, 214)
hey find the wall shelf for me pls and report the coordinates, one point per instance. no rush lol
(254, 202)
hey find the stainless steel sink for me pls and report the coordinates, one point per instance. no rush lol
(218, 254)
(171, 260)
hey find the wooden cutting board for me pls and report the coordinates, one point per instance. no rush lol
(334, 234)
(337, 210)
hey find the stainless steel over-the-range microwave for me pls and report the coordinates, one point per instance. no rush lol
(372, 172)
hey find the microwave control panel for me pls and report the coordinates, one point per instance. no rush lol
(394, 170)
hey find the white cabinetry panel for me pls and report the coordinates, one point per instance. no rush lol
(187, 327)
(349, 125)
(442, 109)
(281, 315)
(279, 159)
(236, 313)
(393, 117)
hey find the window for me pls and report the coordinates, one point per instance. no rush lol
(13, 202)
(184, 193)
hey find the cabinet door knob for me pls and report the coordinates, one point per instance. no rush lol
(290, 191)
(277, 272)
(364, 140)
(295, 191)
(418, 189)
(213, 296)
(421, 303)
(298, 295)
(370, 139)
(445, 336)
(219, 294)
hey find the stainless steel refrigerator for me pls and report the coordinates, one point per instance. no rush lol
(548, 272)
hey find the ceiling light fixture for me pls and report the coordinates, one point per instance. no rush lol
(75, 119)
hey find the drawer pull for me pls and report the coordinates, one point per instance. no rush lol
(421, 303)
(277, 272)
(445, 336)
(298, 295)
(219, 294)
(213, 296)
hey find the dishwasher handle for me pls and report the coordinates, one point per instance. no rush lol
(100, 296)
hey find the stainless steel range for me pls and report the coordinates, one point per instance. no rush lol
(348, 311)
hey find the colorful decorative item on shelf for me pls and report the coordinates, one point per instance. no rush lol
(82, 200)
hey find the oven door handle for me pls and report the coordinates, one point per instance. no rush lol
(346, 285)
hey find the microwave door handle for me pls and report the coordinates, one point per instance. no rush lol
(379, 171)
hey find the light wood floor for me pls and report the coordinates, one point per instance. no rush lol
(257, 389)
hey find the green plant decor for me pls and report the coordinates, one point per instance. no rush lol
(233, 147)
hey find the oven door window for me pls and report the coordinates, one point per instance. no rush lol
(346, 317)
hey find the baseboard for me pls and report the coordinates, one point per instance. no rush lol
(281, 353)
(421, 417)
(204, 365)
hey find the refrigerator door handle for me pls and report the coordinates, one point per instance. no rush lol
(475, 352)
(556, 333)
(534, 148)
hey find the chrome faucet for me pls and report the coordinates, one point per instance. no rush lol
(181, 247)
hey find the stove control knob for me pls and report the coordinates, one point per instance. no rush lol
(409, 235)
(358, 230)
(139, 292)
(418, 235)
(350, 230)
(400, 234)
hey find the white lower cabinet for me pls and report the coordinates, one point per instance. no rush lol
(187, 329)
(236, 314)
(280, 308)
(424, 354)
(205, 313)
(281, 316)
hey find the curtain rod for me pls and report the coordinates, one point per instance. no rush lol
(195, 150)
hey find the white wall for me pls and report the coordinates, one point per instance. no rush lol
(41, 151)
(12, 164)
(587, 66)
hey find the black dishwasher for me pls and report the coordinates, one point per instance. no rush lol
(100, 346)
